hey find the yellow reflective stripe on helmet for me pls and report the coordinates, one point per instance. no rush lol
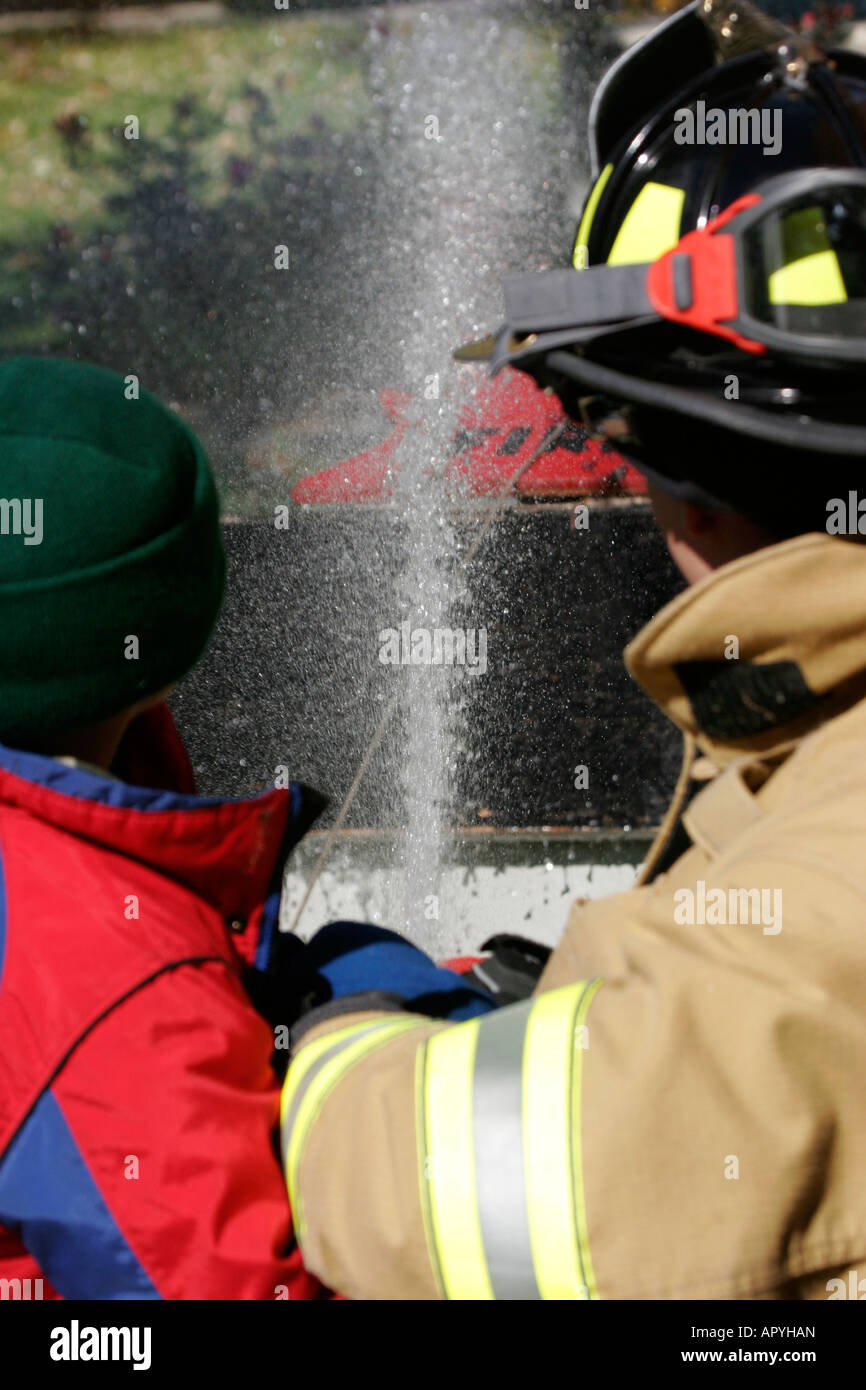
(808, 270)
(314, 1074)
(814, 279)
(579, 256)
(499, 1151)
(552, 1066)
(650, 227)
(448, 1163)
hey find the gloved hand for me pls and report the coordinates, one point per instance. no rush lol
(348, 967)
(355, 965)
(510, 968)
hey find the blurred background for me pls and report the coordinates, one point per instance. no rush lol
(272, 217)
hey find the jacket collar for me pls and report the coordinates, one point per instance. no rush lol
(762, 651)
(229, 852)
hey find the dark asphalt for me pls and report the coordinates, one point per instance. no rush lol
(292, 677)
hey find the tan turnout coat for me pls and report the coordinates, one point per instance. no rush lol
(705, 1136)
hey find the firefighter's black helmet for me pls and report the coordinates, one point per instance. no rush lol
(648, 190)
(659, 391)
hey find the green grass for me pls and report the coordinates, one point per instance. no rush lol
(308, 64)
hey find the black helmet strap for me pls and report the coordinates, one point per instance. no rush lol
(798, 432)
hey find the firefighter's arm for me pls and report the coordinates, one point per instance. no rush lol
(436, 1160)
(651, 1125)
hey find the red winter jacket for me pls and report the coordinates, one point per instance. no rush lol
(138, 1102)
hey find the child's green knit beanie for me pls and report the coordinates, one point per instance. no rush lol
(111, 561)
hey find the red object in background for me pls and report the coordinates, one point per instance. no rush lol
(462, 965)
(498, 431)
(364, 477)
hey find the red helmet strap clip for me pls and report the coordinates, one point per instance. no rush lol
(695, 283)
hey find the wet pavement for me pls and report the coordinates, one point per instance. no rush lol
(293, 677)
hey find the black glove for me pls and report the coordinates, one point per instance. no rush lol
(512, 969)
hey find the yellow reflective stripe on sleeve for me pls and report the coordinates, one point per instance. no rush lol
(650, 227)
(423, 1154)
(579, 254)
(306, 1089)
(304, 1068)
(499, 1151)
(310, 1053)
(448, 1163)
(581, 1033)
(551, 1075)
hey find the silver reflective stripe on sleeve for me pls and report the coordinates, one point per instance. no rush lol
(499, 1144)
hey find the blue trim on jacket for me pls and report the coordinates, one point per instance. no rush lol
(90, 786)
(49, 1199)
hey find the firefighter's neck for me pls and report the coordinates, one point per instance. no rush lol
(701, 540)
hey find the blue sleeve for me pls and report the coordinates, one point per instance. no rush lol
(353, 957)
